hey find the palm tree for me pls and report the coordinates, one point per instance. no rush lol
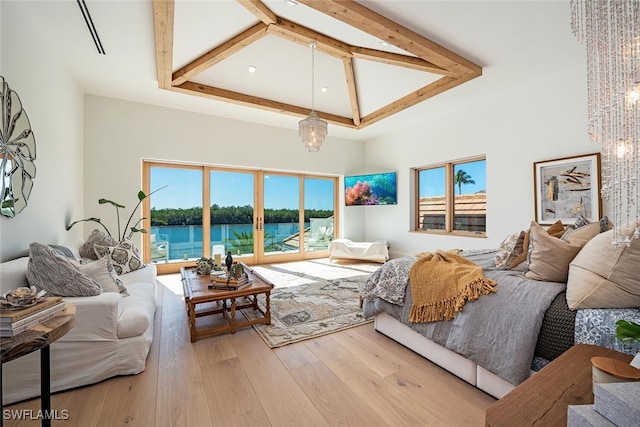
(462, 178)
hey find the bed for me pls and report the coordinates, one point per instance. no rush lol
(501, 339)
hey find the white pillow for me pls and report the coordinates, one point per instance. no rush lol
(102, 271)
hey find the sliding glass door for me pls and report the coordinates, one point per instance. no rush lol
(258, 216)
(319, 201)
(232, 201)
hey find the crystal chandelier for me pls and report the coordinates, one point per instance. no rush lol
(610, 30)
(313, 130)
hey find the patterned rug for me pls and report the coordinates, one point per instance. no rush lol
(311, 298)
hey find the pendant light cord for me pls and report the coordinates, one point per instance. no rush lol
(313, 67)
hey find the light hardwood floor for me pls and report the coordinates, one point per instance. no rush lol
(357, 377)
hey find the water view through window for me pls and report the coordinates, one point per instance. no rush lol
(178, 232)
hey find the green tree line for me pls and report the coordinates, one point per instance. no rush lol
(230, 215)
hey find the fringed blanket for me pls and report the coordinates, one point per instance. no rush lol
(441, 283)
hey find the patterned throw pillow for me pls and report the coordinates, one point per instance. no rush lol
(124, 256)
(509, 249)
(102, 271)
(57, 275)
(96, 237)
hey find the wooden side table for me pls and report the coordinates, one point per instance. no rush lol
(543, 399)
(40, 337)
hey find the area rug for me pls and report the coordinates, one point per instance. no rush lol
(317, 307)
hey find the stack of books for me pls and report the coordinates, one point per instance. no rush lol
(225, 282)
(16, 321)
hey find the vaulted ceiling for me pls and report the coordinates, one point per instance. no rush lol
(367, 67)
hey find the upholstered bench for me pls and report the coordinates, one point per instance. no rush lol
(377, 251)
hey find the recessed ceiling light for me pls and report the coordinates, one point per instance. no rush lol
(324, 89)
(292, 2)
(383, 43)
(252, 69)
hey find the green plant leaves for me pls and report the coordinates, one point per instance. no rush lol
(627, 331)
(111, 202)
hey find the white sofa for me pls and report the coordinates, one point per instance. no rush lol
(112, 336)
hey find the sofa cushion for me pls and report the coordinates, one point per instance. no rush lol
(96, 237)
(138, 310)
(124, 256)
(549, 256)
(602, 277)
(102, 271)
(57, 275)
(13, 274)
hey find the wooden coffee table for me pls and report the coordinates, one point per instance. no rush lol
(197, 293)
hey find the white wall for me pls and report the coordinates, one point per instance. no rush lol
(120, 134)
(53, 104)
(518, 112)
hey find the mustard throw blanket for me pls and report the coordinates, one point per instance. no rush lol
(441, 283)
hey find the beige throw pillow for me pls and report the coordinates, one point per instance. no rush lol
(96, 237)
(549, 256)
(601, 277)
(580, 236)
(556, 229)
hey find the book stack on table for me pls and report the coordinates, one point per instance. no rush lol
(13, 322)
(228, 283)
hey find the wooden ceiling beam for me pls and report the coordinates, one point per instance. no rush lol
(163, 33)
(303, 35)
(220, 94)
(260, 11)
(219, 53)
(399, 60)
(364, 19)
(441, 85)
(351, 87)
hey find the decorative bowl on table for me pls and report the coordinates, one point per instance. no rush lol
(20, 298)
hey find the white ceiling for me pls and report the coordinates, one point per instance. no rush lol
(504, 37)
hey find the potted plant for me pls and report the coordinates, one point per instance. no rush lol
(629, 332)
(122, 234)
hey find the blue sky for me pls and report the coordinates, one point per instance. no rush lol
(432, 180)
(235, 189)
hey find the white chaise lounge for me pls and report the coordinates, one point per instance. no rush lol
(377, 251)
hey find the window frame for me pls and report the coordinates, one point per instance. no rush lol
(449, 195)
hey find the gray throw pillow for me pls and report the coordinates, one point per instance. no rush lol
(57, 275)
(96, 237)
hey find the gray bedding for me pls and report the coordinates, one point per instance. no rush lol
(499, 331)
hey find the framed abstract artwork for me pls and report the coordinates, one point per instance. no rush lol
(566, 188)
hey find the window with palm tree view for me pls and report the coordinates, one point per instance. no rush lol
(451, 197)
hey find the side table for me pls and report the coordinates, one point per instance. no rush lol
(543, 399)
(40, 337)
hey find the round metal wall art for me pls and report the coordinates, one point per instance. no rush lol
(18, 151)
